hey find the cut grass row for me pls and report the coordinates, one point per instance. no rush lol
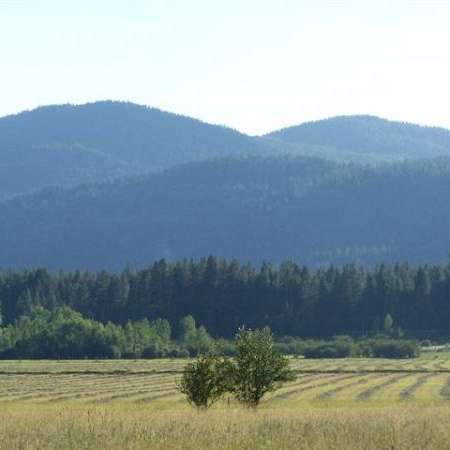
(320, 381)
(300, 365)
(306, 389)
(68, 389)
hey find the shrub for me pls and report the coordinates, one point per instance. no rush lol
(152, 351)
(183, 353)
(283, 348)
(130, 355)
(205, 380)
(178, 353)
(297, 347)
(226, 347)
(113, 352)
(259, 367)
(333, 349)
(365, 349)
(343, 337)
(384, 348)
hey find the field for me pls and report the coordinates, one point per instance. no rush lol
(352, 403)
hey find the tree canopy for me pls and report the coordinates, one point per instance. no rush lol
(223, 295)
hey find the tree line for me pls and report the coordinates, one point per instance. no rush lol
(63, 333)
(224, 295)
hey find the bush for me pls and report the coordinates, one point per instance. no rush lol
(113, 352)
(289, 345)
(205, 380)
(178, 353)
(384, 348)
(131, 355)
(297, 347)
(333, 349)
(283, 348)
(343, 337)
(226, 347)
(259, 367)
(184, 353)
(152, 351)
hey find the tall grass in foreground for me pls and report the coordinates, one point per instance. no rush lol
(120, 426)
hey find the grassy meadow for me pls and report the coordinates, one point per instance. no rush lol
(332, 404)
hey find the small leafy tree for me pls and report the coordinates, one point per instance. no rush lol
(259, 368)
(196, 340)
(206, 380)
(387, 324)
(186, 329)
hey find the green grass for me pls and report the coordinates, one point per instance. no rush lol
(332, 404)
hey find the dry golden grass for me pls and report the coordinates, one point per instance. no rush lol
(347, 404)
(123, 427)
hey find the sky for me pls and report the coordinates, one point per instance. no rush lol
(253, 65)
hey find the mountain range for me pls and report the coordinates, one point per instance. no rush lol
(107, 184)
(69, 145)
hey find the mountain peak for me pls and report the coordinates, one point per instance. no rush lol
(366, 134)
(73, 144)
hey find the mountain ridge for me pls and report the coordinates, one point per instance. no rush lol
(137, 138)
(380, 136)
(70, 145)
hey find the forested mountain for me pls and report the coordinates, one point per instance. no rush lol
(364, 137)
(308, 210)
(70, 145)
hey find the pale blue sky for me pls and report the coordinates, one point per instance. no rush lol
(254, 65)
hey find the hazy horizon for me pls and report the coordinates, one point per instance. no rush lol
(252, 66)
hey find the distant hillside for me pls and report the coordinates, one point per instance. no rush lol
(70, 145)
(254, 209)
(364, 137)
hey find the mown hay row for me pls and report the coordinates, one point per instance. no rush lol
(124, 390)
(165, 395)
(370, 392)
(129, 395)
(313, 385)
(332, 392)
(303, 380)
(408, 392)
(67, 389)
(444, 392)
